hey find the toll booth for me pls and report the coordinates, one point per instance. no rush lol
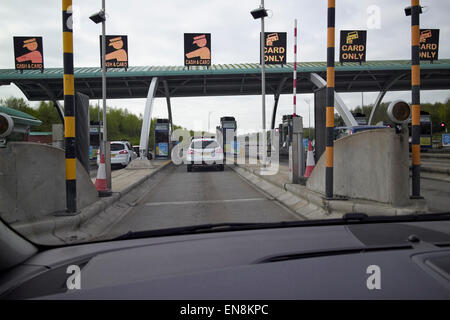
(360, 118)
(94, 139)
(426, 130)
(285, 130)
(162, 136)
(227, 123)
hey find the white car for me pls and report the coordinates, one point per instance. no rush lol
(121, 153)
(204, 152)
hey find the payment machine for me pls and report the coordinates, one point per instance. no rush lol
(94, 139)
(285, 131)
(227, 125)
(162, 135)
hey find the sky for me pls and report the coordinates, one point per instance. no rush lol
(155, 37)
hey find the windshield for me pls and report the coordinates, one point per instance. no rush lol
(193, 121)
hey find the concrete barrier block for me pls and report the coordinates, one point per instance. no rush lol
(38, 176)
(370, 165)
(88, 223)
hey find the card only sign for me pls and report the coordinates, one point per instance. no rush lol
(274, 48)
(429, 44)
(28, 53)
(353, 46)
(197, 49)
(116, 54)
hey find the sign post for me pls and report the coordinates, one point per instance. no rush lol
(116, 51)
(275, 47)
(429, 44)
(294, 80)
(28, 53)
(197, 49)
(329, 149)
(353, 46)
(69, 109)
(415, 97)
(446, 139)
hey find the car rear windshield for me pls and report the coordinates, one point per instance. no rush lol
(204, 144)
(117, 146)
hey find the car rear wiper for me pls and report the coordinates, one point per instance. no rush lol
(348, 218)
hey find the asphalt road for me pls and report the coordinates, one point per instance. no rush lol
(180, 198)
(437, 194)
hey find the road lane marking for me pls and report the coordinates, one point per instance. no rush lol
(270, 197)
(150, 204)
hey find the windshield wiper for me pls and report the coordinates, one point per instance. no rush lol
(188, 230)
(364, 217)
(348, 218)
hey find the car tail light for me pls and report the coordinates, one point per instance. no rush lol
(190, 151)
(219, 150)
(123, 152)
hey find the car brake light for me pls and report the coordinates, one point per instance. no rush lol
(123, 152)
(190, 151)
(219, 150)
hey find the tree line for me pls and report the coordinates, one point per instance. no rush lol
(439, 112)
(121, 124)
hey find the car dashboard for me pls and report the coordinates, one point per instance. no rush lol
(356, 261)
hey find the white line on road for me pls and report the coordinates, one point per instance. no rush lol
(201, 202)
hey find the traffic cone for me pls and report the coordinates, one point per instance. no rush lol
(100, 181)
(310, 164)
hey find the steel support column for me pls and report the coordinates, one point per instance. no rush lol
(56, 103)
(340, 105)
(69, 108)
(329, 149)
(382, 93)
(169, 107)
(415, 92)
(276, 98)
(146, 122)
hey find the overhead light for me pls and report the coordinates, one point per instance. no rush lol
(408, 10)
(259, 13)
(98, 17)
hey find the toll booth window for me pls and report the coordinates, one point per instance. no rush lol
(162, 136)
(94, 139)
(17, 136)
(117, 146)
(285, 131)
(425, 128)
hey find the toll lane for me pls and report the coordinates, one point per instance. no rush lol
(182, 198)
(437, 194)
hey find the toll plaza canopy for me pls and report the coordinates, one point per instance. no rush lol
(227, 79)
